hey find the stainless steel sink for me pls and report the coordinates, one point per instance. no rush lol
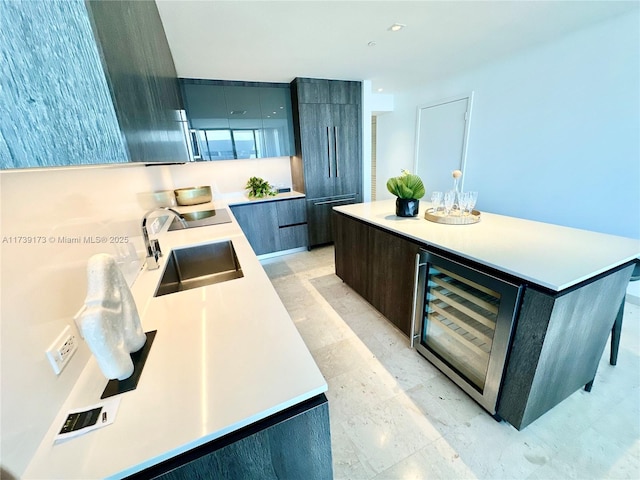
(198, 266)
(201, 218)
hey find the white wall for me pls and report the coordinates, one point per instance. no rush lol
(554, 131)
(43, 285)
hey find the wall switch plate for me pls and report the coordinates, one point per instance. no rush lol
(62, 349)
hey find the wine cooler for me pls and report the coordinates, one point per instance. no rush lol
(463, 319)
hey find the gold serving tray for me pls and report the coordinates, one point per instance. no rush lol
(452, 219)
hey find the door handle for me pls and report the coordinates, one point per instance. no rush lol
(195, 144)
(336, 201)
(328, 152)
(414, 309)
(335, 150)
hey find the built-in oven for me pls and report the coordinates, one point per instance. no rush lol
(462, 322)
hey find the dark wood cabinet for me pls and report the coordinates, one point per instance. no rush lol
(352, 254)
(379, 266)
(292, 444)
(554, 343)
(315, 121)
(319, 90)
(392, 277)
(319, 212)
(558, 343)
(91, 83)
(139, 69)
(328, 162)
(275, 225)
(259, 223)
(292, 223)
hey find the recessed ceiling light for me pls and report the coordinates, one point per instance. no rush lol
(371, 44)
(396, 27)
(380, 89)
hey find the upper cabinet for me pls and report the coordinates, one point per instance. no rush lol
(142, 79)
(104, 91)
(230, 120)
(318, 90)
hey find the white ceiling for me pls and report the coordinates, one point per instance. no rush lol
(276, 41)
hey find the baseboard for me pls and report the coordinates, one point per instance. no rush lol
(267, 256)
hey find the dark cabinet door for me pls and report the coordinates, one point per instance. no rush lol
(330, 134)
(292, 222)
(341, 92)
(316, 137)
(273, 225)
(317, 90)
(245, 121)
(313, 90)
(347, 150)
(330, 138)
(293, 236)
(319, 217)
(351, 239)
(277, 122)
(291, 212)
(239, 119)
(259, 222)
(392, 277)
(206, 106)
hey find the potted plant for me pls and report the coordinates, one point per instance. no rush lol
(259, 188)
(409, 189)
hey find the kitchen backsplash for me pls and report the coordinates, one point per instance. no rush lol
(52, 222)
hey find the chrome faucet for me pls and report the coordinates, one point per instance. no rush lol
(152, 247)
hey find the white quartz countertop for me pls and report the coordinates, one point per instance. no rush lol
(224, 356)
(241, 198)
(551, 256)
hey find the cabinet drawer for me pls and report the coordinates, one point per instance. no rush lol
(319, 217)
(293, 236)
(291, 212)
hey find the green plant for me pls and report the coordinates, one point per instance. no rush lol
(407, 185)
(259, 188)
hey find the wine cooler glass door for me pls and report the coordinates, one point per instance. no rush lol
(466, 326)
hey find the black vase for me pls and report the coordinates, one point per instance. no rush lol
(407, 207)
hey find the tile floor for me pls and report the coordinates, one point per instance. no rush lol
(394, 416)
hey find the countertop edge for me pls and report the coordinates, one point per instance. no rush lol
(369, 211)
(91, 382)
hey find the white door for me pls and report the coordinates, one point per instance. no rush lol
(442, 130)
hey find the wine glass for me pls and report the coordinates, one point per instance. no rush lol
(436, 201)
(473, 198)
(449, 198)
(463, 200)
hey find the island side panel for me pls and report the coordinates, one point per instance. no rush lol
(378, 265)
(352, 255)
(558, 343)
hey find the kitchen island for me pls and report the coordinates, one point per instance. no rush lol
(227, 364)
(569, 285)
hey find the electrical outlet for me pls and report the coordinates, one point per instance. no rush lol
(62, 349)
